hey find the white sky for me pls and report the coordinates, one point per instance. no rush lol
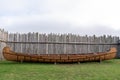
(61, 16)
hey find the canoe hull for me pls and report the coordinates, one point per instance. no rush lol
(21, 57)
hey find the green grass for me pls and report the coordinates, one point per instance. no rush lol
(107, 70)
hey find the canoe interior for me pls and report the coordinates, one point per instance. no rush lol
(24, 57)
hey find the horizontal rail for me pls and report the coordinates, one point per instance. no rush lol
(69, 43)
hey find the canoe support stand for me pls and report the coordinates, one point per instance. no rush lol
(100, 60)
(21, 61)
(55, 63)
(78, 62)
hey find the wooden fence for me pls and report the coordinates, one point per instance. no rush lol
(3, 37)
(36, 43)
(60, 43)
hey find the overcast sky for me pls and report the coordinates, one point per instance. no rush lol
(61, 16)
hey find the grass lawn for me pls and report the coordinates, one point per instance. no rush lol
(107, 70)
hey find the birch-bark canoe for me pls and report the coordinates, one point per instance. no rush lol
(24, 57)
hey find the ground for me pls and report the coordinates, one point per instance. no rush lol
(106, 70)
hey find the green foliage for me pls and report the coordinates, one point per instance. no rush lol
(106, 70)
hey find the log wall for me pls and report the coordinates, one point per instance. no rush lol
(60, 43)
(37, 43)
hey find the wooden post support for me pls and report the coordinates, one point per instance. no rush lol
(100, 60)
(21, 61)
(78, 62)
(55, 63)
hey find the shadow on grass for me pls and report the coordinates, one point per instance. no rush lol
(112, 61)
(42, 63)
(8, 63)
(23, 63)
